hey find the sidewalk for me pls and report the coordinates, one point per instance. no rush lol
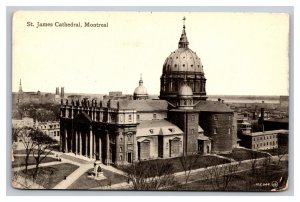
(73, 176)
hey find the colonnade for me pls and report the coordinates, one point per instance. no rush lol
(87, 143)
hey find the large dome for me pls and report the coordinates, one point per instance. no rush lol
(183, 60)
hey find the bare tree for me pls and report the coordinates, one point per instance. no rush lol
(221, 175)
(43, 147)
(253, 160)
(187, 163)
(24, 135)
(280, 153)
(150, 175)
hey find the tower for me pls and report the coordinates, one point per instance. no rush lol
(20, 94)
(62, 92)
(180, 64)
(57, 91)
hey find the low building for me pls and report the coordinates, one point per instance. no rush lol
(261, 140)
(52, 129)
(24, 122)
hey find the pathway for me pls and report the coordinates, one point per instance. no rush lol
(73, 176)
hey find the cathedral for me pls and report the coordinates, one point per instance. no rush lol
(180, 122)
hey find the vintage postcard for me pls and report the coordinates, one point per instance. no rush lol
(150, 101)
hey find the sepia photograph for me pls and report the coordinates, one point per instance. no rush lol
(150, 101)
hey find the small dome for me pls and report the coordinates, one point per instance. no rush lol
(140, 92)
(185, 90)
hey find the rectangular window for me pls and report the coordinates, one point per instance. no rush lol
(138, 117)
(129, 118)
(229, 118)
(215, 117)
(193, 131)
(215, 131)
(229, 131)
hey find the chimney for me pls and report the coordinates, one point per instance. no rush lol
(62, 92)
(57, 91)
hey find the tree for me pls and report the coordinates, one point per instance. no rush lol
(150, 175)
(221, 175)
(24, 136)
(43, 147)
(187, 163)
(253, 160)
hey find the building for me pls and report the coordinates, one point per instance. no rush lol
(262, 140)
(51, 128)
(181, 122)
(24, 122)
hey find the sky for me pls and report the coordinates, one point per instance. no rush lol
(241, 53)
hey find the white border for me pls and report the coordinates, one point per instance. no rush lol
(5, 81)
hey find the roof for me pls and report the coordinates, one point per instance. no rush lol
(200, 130)
(157, 127)
(283, 120)
(270, 132)
(202, 137)
(141, 105)
(212, 106)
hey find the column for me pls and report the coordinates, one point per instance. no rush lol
(117, 147)
(107, 160)
(61, 146)
(86, 144)
(76, 142)
(94, 146)
(80, 143)
(100, 148)
(91, 142)
(66, 141)
(72, 113)
(71, 141)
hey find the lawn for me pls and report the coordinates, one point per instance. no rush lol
(260, 181)
(20, 161)
(84, 182)
(240, 154)
(202, 162)
(279, 151)
(50, 176)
